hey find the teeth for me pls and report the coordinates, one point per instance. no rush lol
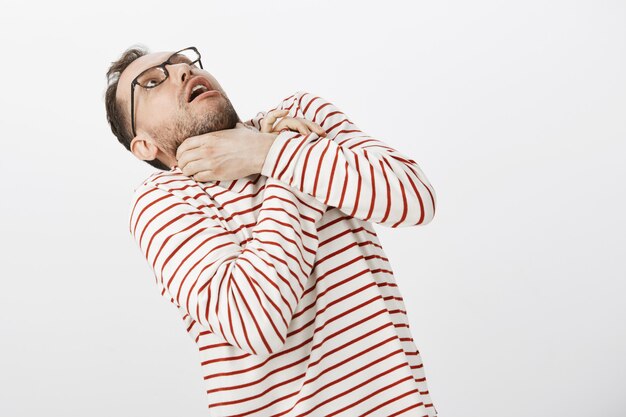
(197, 90)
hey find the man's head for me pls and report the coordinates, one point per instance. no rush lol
(170, 112)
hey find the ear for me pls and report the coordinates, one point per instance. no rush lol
(144, 147)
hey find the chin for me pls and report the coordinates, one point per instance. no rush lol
(213, 106)
(212, 117)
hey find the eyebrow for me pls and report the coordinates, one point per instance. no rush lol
(155, 65)
(169, 58)
(179, 55)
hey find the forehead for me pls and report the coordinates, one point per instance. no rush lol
(135, 68)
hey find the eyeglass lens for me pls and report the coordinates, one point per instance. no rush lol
(156, 75)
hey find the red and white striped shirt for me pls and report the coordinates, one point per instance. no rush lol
(281, 280)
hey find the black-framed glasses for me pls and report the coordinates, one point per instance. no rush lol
(154, 76)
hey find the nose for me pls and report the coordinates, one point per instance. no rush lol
(180, 72)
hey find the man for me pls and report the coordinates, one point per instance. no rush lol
(263, 239)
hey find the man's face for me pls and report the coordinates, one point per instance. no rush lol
(171, 112)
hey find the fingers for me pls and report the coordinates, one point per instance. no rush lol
(302, 128)
(187, 157)
(268, 121)
(187, 153)
(190, 143)
(195, 167)
(296, 124)
(292, 124)
(203, 176)
(301, 125)
(315, 127)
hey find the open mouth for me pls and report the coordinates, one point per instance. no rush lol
(197, 87)
(196, 91)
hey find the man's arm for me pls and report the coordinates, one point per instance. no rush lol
(363, 177)
(247, 292)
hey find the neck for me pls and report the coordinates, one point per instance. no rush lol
(166, 159)
(170, 160)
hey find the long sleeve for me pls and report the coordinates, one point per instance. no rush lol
(245, 292)
(361, 176)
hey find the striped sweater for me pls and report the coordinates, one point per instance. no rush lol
(281, 280)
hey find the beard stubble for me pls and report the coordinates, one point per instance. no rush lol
(187, 124)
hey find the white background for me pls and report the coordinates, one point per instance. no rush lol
(514, 110)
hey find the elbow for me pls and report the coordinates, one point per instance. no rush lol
(425, 207)
(430, 204)
(429, 209)
(429, 215)
(416, 212)
(427, 219)
(254, 340)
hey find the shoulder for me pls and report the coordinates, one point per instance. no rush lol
(306, 105)
(310, 106)
(304, 99)
(161, 188)
(166, 181)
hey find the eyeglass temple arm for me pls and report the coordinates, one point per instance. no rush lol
(132, 108)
